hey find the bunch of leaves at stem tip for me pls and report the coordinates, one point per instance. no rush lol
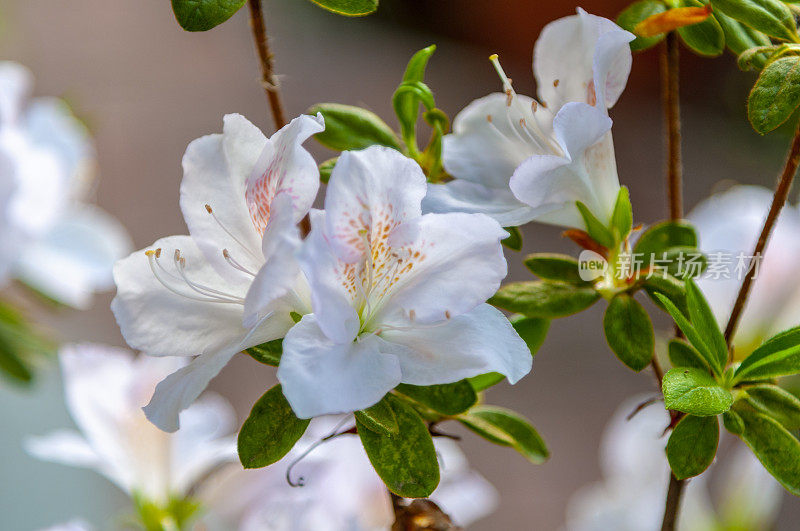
(762, 33)
(703, 384)
(203, 15)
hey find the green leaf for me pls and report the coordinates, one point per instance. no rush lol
(691, 334)
(703, 320)
(379, 418)
(485, 381)
(326, 168)
(775, 95)
(682, 354)
(739, 37)
(705, 38)
(778, 356)
(406, 462)
(629, 332)
(271, 430)
(668, 286)
(447, 399)
(777, 403)
(507, 428)
(771, 17)
(683, 262)
(661, 237)
(514, 240)
(267, 353)
(637, 12)
(556, 267)
(695, 392)
(544, 299)
(202, 15)
(349, 8)
(351, 128)
(411, 92)
(776, 448)
(692, 446)
(622, 217)
(596, 229)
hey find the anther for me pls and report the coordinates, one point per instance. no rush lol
(412, 315)
(447, 314)
(208, 209)
(556, 82)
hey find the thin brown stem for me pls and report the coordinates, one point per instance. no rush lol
(670, 94)
(778, 200)
(673, 501)
(268, 80)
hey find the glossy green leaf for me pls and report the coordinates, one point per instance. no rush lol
(682, 354)
(692, 446)
(703, 320)
(695, 392)
(663, 236)
(507, 428)
(380, 418)
(691, 333)
(556, 267)
(637, 12)
(447, 399)
(267, 353)
(776, 448)
(622, 217)
(739, 37)
(629, 332)
(775, 95)
(271, 430)
(771, 17)
(514, 240)
(595, 228)
(778, 356)
(777, 403)
(668, 286)
(544, 299)
(410, 94)
(485, 381)
(406, 462)
(705, 38)
(351, 128)
(202, 15)
(349, 8)
(326, 169)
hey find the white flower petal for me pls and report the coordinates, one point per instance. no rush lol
(460, 265)
(486, 145)
(371, 190)
(574, 61)
(155, 320)
(15, 86)
(64, 447)
(321, 377)
(461, 195)
(209, 179)
(75, 258)
(279, 273)
(330, 299)
(476, 343)
(285, 167)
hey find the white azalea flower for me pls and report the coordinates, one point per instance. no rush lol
(728, 225)
(519, 160)
(72, 525)
(340, 490)
(51, 238)
(397, 296)
(105, 389)
(630, 496)
(234, 281)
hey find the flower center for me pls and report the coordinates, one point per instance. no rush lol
(177, 281)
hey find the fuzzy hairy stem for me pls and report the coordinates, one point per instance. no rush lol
(779, 199)
(673, 501)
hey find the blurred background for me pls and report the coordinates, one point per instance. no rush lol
(146, 89)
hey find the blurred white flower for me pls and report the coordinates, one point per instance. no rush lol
(72, 525)
(517, 159)
(51, 238)
(635, 474)
(341, 490)
(398, 297)
(233, 283)
(728, 225)
(105, 389)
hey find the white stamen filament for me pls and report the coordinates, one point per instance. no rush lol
(229, 233)
(180, 265)
(206, 294)
(236, 265)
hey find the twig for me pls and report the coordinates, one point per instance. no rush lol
(670, 70)
(419, 515)
(265, 56)
(778, 200)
